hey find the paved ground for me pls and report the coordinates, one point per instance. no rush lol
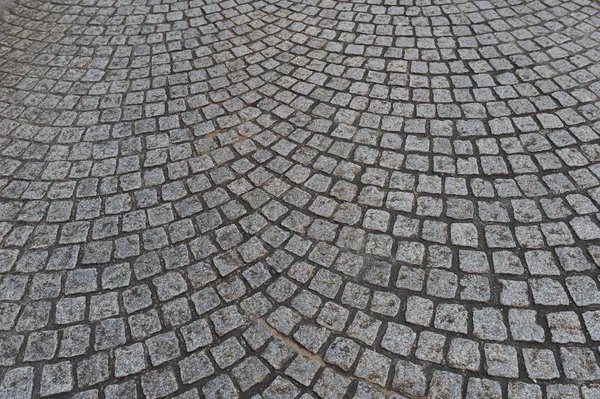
(300, 199)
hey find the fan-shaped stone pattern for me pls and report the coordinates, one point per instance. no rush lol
(299, 199)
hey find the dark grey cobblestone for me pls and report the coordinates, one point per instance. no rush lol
(299, 199)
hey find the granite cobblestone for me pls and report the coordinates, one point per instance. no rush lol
(299, 199)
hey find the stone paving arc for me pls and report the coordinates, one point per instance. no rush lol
(299, 199)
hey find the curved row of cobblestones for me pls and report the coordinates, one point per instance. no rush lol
(300, 199)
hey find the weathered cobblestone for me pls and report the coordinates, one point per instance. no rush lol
(299, 199)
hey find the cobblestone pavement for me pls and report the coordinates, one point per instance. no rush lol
(300, 199)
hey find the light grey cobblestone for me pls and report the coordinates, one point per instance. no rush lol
(367, 199)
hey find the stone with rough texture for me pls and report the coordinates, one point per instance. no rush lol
(299, 199)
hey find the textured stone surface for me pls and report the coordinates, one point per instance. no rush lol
(299, 199)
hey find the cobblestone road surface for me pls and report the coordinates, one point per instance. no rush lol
(299, 199)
